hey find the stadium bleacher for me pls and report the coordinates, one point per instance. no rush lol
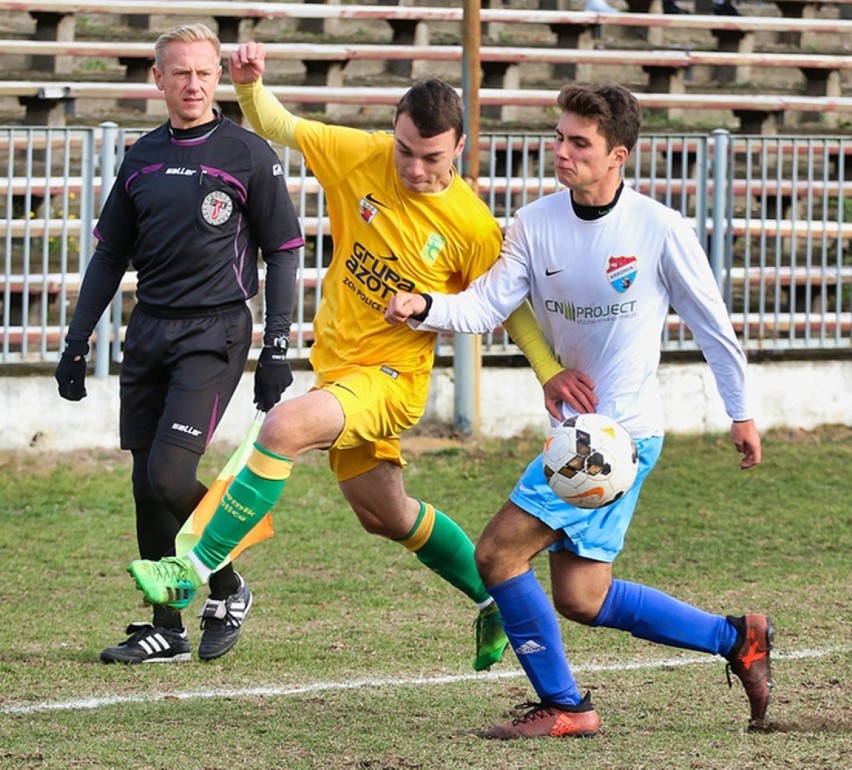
(666, 71)
(82, 63)
(689, 68)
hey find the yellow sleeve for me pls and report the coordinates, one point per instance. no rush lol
(527, 335)
(268, 117)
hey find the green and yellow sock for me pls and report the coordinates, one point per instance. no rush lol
(250, 496)
(441, 544)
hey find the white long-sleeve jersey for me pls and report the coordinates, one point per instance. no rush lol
(601, 291)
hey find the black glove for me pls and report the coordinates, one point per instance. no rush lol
(70, 372)
(271, 378)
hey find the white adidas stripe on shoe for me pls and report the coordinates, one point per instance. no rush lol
(150, 644)
(222, 621)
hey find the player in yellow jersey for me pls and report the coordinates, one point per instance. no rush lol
(401, 220)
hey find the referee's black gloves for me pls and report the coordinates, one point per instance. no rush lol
(70, 372)
(271, 378)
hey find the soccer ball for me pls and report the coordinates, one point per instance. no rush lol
(590, 460)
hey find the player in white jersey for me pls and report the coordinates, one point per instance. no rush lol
(601, 265)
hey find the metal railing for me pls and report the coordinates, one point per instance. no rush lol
(774, 214)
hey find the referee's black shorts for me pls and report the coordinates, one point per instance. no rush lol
(179, 373)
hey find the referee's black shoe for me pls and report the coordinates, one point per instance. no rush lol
(149, 644)
(222, 621)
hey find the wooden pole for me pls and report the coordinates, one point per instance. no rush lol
(467, 358)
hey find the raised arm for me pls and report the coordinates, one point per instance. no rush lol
(267, 115)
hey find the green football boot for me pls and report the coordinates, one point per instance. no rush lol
(172, 581)
(491, 640)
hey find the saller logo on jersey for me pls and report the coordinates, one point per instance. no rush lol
(621, 272)
(185, 429)
(217, 207)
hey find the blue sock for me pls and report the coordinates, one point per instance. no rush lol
(657, 617)
(533, 631)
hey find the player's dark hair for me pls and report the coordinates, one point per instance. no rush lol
(434, 107)
(615, 109)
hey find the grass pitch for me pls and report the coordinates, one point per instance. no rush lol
(356, 657)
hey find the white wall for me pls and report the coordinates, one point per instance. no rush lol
(795, 394)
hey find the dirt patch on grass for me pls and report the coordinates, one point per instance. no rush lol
(822, 434)
(85, 461)
(426, 438)
(432, 437)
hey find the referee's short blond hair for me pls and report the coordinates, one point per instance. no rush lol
(185, 33)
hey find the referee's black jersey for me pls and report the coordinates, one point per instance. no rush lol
(191, 213)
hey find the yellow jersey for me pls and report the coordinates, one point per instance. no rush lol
(386, 239)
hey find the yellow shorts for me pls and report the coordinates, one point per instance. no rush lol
(378, 403)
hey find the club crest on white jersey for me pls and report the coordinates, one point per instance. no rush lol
(216, 208)
(621, 272)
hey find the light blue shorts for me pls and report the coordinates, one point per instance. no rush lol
(592, 533)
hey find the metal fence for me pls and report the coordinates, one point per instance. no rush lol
(774, 214)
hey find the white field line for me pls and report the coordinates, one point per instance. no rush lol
(357, 684)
